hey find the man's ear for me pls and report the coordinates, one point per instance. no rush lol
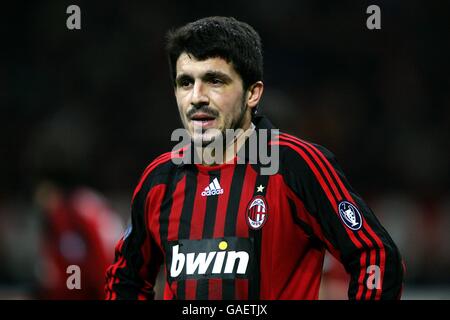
(254, 94)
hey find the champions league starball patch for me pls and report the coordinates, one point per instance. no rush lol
(350, 215)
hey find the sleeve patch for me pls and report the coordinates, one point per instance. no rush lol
(350, 215)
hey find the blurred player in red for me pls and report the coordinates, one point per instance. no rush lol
(79, 229)
(335, 280)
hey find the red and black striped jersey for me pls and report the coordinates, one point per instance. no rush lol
(230, 232)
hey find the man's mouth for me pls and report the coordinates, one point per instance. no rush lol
(203, 120)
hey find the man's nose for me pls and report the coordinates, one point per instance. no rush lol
(199, 94)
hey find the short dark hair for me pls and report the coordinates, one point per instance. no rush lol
(225, 37)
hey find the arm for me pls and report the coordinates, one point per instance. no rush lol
(137, 256)
(343, 221)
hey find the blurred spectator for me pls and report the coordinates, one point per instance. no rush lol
(335, 280)
(77, 225)
(79, 229)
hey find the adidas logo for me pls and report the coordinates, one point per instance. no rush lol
(213, 189)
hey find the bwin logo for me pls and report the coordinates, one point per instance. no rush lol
(199, 263)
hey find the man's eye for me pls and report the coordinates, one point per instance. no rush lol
(216, 81)
(184, 83)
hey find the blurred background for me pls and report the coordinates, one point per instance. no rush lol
(82, 113)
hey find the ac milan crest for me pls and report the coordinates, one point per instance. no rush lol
(257, 213)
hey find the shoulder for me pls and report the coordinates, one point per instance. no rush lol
(307, 168)
(161, 165)
(157, 172)
(301, 156)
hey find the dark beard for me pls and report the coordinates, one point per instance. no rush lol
(239, 122)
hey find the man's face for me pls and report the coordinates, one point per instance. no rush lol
(209, 95)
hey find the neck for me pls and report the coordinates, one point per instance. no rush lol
(228, 149)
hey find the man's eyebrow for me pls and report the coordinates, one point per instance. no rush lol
(183, 76)
(208, 75)
(217, 74)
